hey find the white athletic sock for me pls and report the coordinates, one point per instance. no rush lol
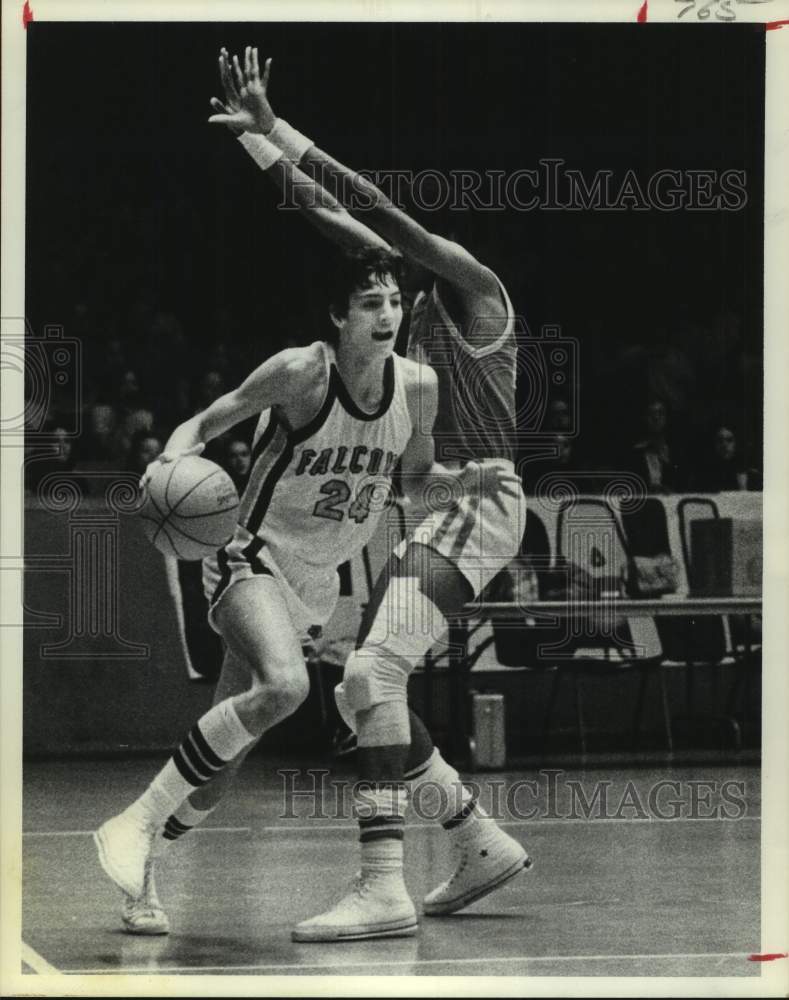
(213, 741)
(383, 857)
(380, 810)
(437, 793)
(184, 819)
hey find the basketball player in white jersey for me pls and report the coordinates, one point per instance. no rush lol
(463, 327)
(334, 422)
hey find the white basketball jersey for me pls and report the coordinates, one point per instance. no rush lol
(317, 492)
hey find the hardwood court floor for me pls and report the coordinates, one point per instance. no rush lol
(628, 895)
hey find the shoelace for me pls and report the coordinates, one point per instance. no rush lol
(362, 885)
(149, 894)
(461, 865)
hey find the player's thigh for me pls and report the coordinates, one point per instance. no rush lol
(254, 621)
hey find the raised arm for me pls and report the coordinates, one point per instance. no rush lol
(249, 109)
(447, 259)
(317, 204)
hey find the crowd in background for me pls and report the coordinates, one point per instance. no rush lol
(681, 411)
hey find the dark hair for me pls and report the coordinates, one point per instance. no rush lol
(355, 269)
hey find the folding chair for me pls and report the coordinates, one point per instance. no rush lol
(589, 539)
(708, 641)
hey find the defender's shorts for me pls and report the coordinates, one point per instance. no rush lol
(478, 536)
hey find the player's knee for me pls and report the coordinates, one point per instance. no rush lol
(371, 678)
(289, 690)
(275, 698)
(357, 684)
(347, 714)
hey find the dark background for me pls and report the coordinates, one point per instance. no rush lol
(149, 226)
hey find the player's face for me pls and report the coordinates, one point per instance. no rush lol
(374, 315)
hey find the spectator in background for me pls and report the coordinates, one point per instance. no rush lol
(653, 458)
(210, 387)
(721, 467)
(58, 457)
(238, 460)
(558, 418)
(564, 464)
(115, 417)
(144, 447)
(101, 431)
(132, 412)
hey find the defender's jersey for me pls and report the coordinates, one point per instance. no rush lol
(476, 381)
(317, 492)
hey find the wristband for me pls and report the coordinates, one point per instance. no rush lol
(292, 143)
(262, 151)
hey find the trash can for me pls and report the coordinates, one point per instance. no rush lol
(488, 738)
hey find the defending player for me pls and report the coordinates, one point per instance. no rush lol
(464, 328)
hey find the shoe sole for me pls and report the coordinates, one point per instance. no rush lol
(452, 906)
(146, 931)
(99, 841)
(398, 928)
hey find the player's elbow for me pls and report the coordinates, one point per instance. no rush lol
(455, 264)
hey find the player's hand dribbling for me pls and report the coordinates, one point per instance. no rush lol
(246, 107)
(165, 458)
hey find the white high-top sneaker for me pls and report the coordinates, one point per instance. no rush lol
(378, 905)
(124, 843)
(146, 914)
(483, 863)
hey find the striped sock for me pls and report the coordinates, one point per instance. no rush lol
(213, 741)
(184, 819)
(437, 793)
(380, 810)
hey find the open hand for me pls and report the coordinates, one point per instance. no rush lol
(246, 107)
(491, 481)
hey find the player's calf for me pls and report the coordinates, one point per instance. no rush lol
(485, 857)
(378, 905)
(125, 842)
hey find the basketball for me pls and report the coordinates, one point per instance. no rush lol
(190, 509)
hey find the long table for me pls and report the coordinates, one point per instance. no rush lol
(477, 612)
